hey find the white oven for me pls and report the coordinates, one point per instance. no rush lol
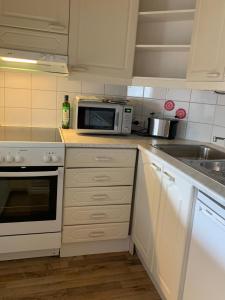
(30, 200)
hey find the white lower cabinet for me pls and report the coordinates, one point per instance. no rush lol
(97, 200)
(162, 216)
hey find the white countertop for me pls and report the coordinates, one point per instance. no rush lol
(199, 180)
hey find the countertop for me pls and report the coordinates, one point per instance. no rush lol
(202, 182)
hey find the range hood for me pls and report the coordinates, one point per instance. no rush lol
(33, 61)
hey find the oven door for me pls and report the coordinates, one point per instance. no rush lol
(30, 200)
(99, 118)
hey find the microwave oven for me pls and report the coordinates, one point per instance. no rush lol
(101, 117)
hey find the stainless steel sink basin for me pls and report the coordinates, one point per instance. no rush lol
(192, 152)
(214, 166)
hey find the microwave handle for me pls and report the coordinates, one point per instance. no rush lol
(117, 119)
(28, 174)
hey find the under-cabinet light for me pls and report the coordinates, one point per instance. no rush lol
(19, 60)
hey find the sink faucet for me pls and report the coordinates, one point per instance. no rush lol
(216, 138)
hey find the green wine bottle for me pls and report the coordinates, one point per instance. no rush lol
(66, 113)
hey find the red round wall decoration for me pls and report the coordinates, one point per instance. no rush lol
(181, 113)
(169, 105)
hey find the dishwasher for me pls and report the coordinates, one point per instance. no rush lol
(205, 277)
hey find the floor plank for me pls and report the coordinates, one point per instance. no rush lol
(114, 276)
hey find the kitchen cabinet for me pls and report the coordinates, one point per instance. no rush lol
(43, 15)
(172, 229)
(147, 196)
(102, 37)
(207, 60)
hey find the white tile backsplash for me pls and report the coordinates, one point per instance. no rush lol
(218, 131)
(221, 100)
(135, 91)
(43, 99)
(209, 97)
(17, 116)
(178, 94)
(64, 84)
(153, 106)
(43, 82)
(20, 98)
(155, 93)
(199, 132)
(20, 80)
(93, 88)
(2, 79)
(43, 118)
(220, 116)
(2, 116)
(202, 113)
(115, 90)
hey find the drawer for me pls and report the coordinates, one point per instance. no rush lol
(31, 40)
(96, 214)
(97, 196)
(97, 232)
(99, 177)
(94, 157)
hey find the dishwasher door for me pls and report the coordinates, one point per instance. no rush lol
(205, 278)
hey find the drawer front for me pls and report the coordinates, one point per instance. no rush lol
(97, 232)
(99, 177)
(92, 157)
(97, 196)
(23, 39)
(96, 214)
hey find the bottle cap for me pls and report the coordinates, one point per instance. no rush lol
(66, 98)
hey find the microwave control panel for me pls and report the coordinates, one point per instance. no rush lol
(127, 119)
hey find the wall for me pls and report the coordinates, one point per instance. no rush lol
(31, 99)
(205, 110)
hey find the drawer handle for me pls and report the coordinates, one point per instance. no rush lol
(101, 178)
(98, 216)
(171, 178)
(100, 197)
(56, 27)
(95, 234)
(213, 74)
(156, 167)
(103, 158)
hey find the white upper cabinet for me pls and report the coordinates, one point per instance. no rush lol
(147, 198)
(102, 36)
(173, 224)
(208, 43)
(44, 15)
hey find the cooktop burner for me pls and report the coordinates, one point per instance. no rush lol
(30, 134)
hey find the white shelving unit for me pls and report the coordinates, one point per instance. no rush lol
(163, 39)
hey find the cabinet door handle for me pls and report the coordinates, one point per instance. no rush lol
(101, 178)
(170, 177)
(213, 74)
(99, 216)
(103, 158)
(97, 234)
(100, 197)
(156, 167)
(57, 27)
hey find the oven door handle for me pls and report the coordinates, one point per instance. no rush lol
(29, 174)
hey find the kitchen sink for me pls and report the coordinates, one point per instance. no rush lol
(214, 166)
(192, 152)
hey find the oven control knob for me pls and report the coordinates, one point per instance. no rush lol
(18, 158)
(55, 158)
(47, 158)
(9, 158)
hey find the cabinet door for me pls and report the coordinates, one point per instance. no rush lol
(173, 221)
(207, 60)
(146, 205)
(102, 36)
(46, 15)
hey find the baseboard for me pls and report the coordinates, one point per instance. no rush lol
(29, 254)
(86, 248)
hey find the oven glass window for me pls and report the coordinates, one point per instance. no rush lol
(28, 199)
(96, 118)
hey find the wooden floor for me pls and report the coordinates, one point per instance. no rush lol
(95, 277)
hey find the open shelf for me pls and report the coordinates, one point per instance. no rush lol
(167, 15)
(163, 47)
(161, 64)
(156, 5)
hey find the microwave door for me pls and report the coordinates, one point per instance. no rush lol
(99, 119)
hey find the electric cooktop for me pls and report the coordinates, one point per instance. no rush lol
(29, 134)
